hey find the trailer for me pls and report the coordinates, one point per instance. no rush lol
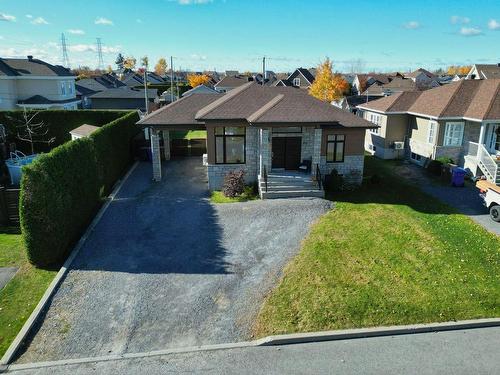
(490, 193)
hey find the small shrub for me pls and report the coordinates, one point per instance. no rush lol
(445, 160)
(234, 184)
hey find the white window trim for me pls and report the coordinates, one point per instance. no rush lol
(296, 82)
(449, 133)
(433, 127)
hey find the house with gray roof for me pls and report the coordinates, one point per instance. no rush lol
(122, 98)
(35, 84)
(301, 77)
(460, 121)
(484, 71)
(268, 132)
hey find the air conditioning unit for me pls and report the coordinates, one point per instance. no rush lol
(399, 145)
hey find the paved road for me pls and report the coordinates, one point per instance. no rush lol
(165, 268)
(467, 352)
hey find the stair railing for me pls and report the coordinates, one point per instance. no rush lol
(265, 178)
(488, 162)
(318, 176)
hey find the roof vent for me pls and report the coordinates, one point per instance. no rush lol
(30, 57)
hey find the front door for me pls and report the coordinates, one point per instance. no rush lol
(493, 141)
(286, 152)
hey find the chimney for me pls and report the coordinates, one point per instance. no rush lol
(30, 57)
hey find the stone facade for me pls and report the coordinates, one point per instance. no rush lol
(155, 154)
(216, 172)
(351, 169)
(307, 143)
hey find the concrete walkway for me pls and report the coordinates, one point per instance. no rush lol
(6, 273)
(465, 199)
(473, 351)
(165, 268)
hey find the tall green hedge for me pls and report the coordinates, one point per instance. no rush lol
(61, 190)
(58, 123)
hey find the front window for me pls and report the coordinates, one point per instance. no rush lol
(453, 133)
(335, 148)
(431, 136)
(63, 88)
(375, 119)
(230, 145)
(296, 82)
(70, 87)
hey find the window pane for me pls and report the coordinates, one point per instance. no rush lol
(330, 151)
(340, 137)
(235, 150)
(331, 137)
(219, 130)
(339, 155)
(235, 130)
(219, 149)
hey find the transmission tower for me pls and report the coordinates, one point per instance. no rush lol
(65, 58)
(100, 63)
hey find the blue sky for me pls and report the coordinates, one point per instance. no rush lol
(378, 35)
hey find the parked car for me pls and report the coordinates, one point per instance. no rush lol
(491, 197)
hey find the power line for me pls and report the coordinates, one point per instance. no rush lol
(65, 58)
(100, 63)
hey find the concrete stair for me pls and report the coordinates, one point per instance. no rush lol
(289, 185)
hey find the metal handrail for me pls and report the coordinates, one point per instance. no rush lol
(265, 177)
(318, 176)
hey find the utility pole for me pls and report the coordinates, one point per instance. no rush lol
(171, 79)
(65, 57)
(146, 87)
(263, 70)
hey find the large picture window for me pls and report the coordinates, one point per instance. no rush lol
(335, 148)
(453, 134)
(230, 145)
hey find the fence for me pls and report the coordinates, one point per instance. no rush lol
(9, 207)
(188, 147)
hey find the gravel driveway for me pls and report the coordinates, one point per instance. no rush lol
(165, 268)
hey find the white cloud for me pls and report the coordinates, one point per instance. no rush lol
(103, 21)
(195, 56)
(93, 48)
(459, 20)
(7, 17)
(412, 25)
(76, 31)
(470, 31)
(1, 37)
(39, 21)
(29, 16)
(138, 20)
(494, 25)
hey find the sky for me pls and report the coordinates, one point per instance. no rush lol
(362, 35)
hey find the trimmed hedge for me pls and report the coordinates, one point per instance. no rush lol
(59, 123)
(62, 190)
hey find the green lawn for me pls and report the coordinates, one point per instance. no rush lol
(248, 195)
(23, 292)
(190, 134)
(387, 255)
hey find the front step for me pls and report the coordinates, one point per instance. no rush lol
(292, 194)
(289, 186)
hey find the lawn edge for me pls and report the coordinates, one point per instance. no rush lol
(28, 325)
(277, 340)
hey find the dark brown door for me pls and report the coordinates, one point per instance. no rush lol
(278, 159)
(286, 152)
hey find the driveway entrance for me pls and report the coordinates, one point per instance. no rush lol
(166, 268)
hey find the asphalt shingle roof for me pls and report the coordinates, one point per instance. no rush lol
(33, 67)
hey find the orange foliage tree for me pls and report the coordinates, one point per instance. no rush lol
(197, 79)
(328, 86)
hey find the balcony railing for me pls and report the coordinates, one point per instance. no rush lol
(472, 149)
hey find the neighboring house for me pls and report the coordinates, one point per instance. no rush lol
(33, 83)
(122, 98)
(362, 82)
(229, 83)
(460, 120)
(394, 86)
(350, 103)
(261, 129)
(200, 89)
(82, 131)
(484, 71)
(301, 78)
(87, 87)
(423, 79)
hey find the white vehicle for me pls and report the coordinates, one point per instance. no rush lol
(491, 197)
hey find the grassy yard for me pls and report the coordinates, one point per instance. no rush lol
(190, 134)
(248, 195)
(22, 293)
(387, 255)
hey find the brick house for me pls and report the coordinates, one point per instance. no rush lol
(265, 130)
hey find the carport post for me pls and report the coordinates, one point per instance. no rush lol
(166, 144)
(155, 154)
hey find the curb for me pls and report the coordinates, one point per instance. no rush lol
(18, 341)
(299, 338)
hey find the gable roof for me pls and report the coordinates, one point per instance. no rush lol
(39, 99)
(255, 104)
(488, 71)
(474, 99)
(419, 71)
(397, 84)
(84, 130)
(200, 89)
(232, 81)
(31, 67)
(305, 73)
(124, 93)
